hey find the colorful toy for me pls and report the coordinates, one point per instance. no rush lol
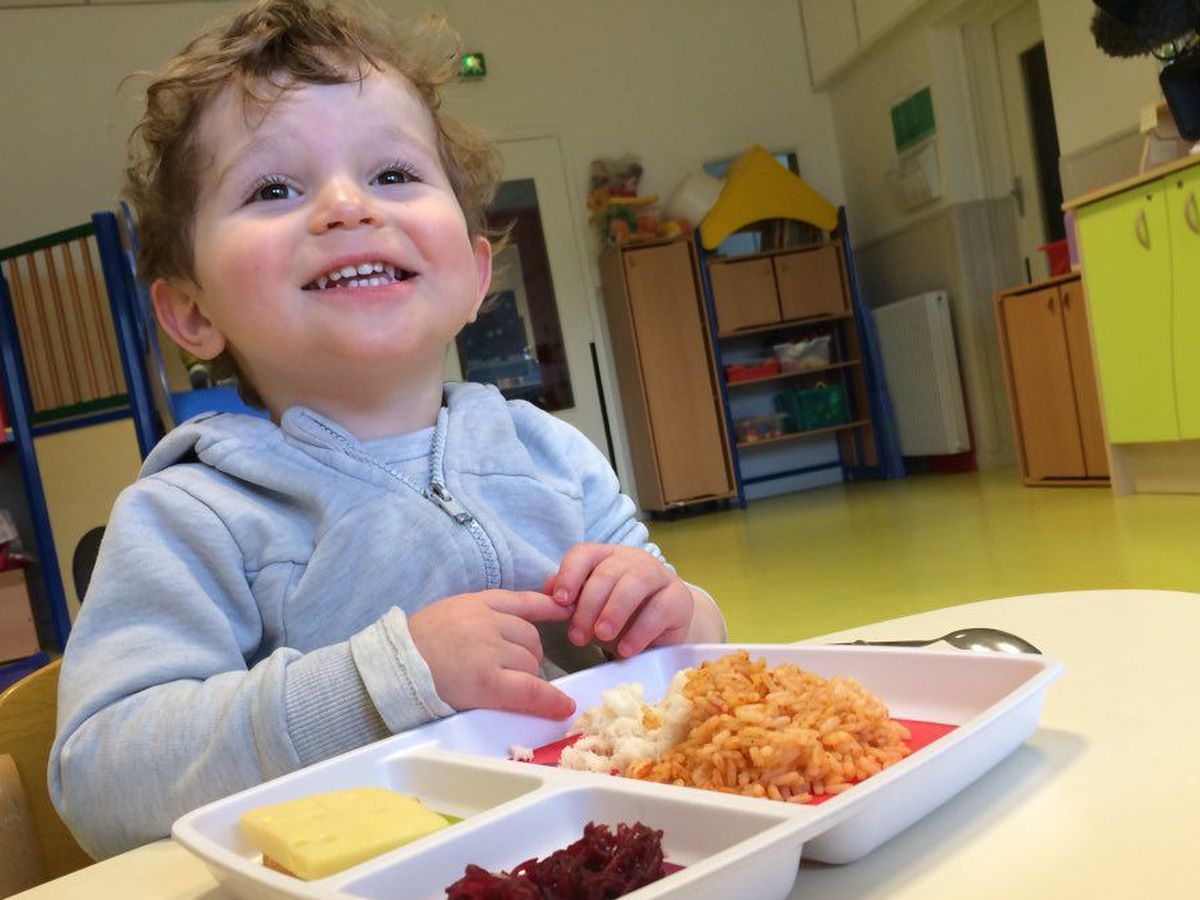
(622, 214)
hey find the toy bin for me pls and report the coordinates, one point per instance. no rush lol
(804, 356)
(749, 429)
(735, 372)
(819, 406)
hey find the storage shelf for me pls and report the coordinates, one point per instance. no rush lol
(782, 375)
(788, 323)
(792, 435)
(777, 251)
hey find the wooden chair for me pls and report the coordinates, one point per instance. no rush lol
(35, 844)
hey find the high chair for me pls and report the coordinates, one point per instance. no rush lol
(35, 844)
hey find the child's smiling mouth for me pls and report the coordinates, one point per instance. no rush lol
(366, 274)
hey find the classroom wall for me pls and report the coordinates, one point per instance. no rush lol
(677, 82)
(1097, 102)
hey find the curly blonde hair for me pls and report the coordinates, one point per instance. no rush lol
(271, 48)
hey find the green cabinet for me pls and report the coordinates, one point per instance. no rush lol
(1183, 208)
(1143, 285)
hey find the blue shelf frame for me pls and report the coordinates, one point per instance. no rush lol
(17, 400)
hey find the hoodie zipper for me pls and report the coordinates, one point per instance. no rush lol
(437, 493)
(451, 507)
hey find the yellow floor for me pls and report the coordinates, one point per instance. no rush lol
(818, 561)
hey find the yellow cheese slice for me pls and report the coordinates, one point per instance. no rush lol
(320, 834)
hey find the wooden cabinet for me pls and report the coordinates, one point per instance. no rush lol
(782, 286)
(811, 282)
(744, 294)
(1051, 383)
(666, 373)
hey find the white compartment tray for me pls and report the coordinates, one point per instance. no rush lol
(728, 845)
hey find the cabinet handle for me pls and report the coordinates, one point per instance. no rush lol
(1066, 299)
(1189, 212)
(1142, 230)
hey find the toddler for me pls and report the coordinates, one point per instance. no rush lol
(382, 550)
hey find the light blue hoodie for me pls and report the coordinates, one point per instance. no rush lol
(246, 615)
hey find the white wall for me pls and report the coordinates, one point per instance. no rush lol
(1095, 96)
(676, 81)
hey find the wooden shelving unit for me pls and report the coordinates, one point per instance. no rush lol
(791, 293)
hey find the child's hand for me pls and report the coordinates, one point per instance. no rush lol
(623, 591)
(483, 651)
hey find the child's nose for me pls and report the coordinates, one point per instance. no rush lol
(344, 206)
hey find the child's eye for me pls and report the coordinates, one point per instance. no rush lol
(397, 174)
(272, 188)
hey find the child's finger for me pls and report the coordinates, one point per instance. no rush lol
(590, 604)
(525, 693)
(575, 568)
(624, 598)
(528, 605)
(656, 618)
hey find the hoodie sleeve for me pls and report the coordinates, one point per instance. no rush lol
(163, 703)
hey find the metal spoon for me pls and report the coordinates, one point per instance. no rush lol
(981, 639)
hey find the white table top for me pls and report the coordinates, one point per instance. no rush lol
(1102, 801)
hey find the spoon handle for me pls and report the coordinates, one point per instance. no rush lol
(886, 644)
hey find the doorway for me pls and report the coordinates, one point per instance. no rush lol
(535, 337)
(1018, 133)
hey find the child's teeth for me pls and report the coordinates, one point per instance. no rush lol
(334, 276)
(365, 268)
(391, 270)
(349, 271)
(378, 267)
(321, 282)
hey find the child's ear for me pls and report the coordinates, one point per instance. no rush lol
(483, 272)
(181, 317)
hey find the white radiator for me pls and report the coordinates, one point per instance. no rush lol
(916, 341)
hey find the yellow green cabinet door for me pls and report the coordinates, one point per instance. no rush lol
(1183, 205)
(1126, 252)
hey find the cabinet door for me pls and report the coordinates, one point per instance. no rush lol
(810, 283)
(1083, 376)
(685, 414)
(1126, 256)
(744, 294)
(1045, 394)
(1183, 202)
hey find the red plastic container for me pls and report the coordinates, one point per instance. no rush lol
(735, 372)
(1058, 255)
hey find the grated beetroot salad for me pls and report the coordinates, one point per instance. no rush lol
(599, 866)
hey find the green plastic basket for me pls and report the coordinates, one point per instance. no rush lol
(822, 406)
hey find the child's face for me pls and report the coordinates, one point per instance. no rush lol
(331, 179)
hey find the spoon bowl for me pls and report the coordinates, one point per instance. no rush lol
(978, 639)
